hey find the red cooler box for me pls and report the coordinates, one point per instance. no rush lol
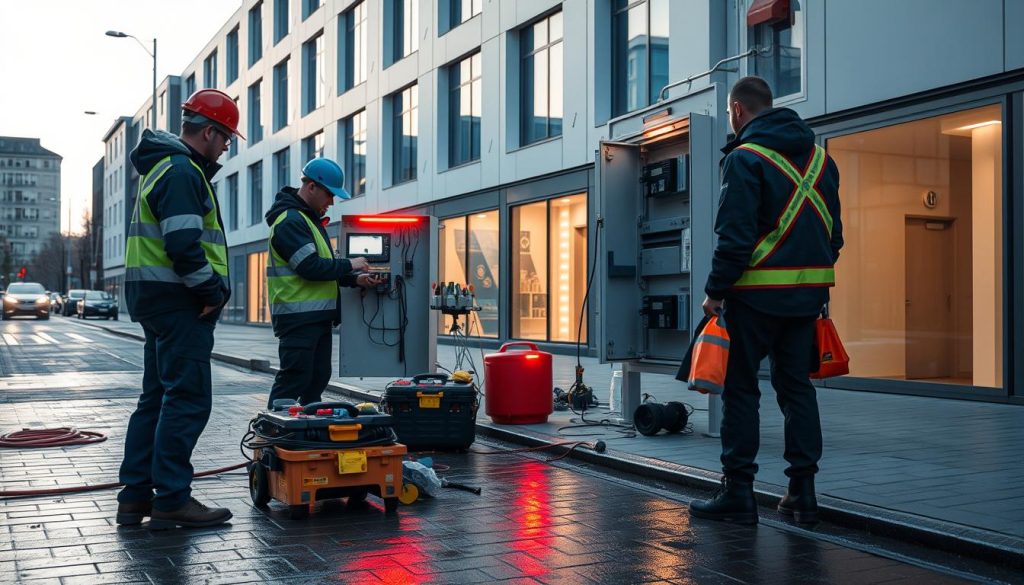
(518, 385)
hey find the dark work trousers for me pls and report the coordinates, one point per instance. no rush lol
(172, 411)
(305, 355)
(788, 342)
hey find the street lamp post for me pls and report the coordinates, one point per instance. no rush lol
(121, 35)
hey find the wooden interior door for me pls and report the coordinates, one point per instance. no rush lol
(929, 299)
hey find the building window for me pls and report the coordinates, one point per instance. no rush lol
(402, 26)
(233, 141)
(352, 47)
(282, 167)
(313, 147)
(464, 111)
(231, 65)
(281, 95)
(919, 283)
(777, 30)
(210, 70)
(190, 86)
(163, 98)
(232, 187)
(280, 20)
(404, 133)
(549, 269)
(640, 36)
(463, 10)
(541, 79)
(313, 80)
(469, 256)
(256, 193)
(309, 7)
(354, 132)
(255, 33)
(259, 302)
(255, 133)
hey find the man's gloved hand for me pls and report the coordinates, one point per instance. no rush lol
(359, 264)
(367, 280)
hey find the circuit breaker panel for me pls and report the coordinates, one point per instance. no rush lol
(389, 330)
(657, 187)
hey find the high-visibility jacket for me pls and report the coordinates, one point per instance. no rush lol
(760, 275)
(176, 255)
(289, 293)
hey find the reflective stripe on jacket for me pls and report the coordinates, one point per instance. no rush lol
(288, 292)
(805, 193)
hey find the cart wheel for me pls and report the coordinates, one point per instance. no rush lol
(410, 493)
(259, 485)
(357, 498)
(298, 512)
(390, 505)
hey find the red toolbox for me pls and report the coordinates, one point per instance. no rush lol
(518, 385)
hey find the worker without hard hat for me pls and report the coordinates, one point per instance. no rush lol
(211, 106)
(328, 174)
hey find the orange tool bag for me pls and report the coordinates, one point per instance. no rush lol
(710, 357)
(828, 349)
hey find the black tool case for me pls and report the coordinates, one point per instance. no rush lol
(432, 412)
(356, 428)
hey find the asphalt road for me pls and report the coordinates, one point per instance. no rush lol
(535, 521)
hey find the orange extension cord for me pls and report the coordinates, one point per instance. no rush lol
(61, 437)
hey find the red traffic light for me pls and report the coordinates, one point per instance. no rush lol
(22, 272)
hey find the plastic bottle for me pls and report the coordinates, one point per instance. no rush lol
(450, 295)
(435, 300)
(615, 393)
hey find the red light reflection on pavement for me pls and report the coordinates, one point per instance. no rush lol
(532, 514)
(389, 560)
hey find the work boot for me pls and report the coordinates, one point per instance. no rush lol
(733, 502)
(192, 515)
(799, 501)
(132, 513)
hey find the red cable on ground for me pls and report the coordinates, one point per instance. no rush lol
(58, 437)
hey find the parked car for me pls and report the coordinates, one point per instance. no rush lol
(71, 301)
(97, 303)
(56, 302)
(26, 298)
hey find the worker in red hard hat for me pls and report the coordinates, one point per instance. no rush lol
(176, 282)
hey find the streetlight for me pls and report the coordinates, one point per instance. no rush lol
(121, 35)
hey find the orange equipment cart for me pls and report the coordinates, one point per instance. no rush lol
(301, 478)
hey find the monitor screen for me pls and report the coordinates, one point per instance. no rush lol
(365, 244)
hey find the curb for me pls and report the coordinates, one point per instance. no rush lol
(937, 534)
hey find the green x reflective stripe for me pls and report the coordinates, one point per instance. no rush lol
(804, 192)
(773, 277)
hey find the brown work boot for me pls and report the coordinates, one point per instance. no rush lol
(191, 515)
(132, 513)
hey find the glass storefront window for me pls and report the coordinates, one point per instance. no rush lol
(258, 303)
(469, 255)
(549, 269)
(919, 283)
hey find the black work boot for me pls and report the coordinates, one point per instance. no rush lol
(799, 501)
(191, 515)
(132, 513)
(733, 502)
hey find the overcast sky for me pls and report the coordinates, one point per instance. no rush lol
(56, 63)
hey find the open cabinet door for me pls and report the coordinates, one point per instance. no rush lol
(618, 172)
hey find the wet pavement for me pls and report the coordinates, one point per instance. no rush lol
(535, 521)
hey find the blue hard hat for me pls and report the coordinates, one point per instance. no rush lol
(328, 174)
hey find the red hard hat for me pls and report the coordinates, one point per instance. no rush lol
(215, 105)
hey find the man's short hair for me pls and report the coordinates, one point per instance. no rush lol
(191, 128)
(753, 92)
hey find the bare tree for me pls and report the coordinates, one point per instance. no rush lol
(46, 267)
(85, 251)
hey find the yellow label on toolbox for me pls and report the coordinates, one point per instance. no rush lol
(430, 400)
(314, 481)
(351, 462)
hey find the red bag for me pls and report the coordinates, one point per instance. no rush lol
(710, 358)
(832, 357)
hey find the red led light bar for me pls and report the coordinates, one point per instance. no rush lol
(388, 219)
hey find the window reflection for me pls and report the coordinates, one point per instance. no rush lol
(541, 79)
(259, 304)
(640, 37)
(469, 255)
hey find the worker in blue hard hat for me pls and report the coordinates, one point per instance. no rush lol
(303, 277)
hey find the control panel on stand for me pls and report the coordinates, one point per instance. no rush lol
(386, 330)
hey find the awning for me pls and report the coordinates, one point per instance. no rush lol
(767, 12)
